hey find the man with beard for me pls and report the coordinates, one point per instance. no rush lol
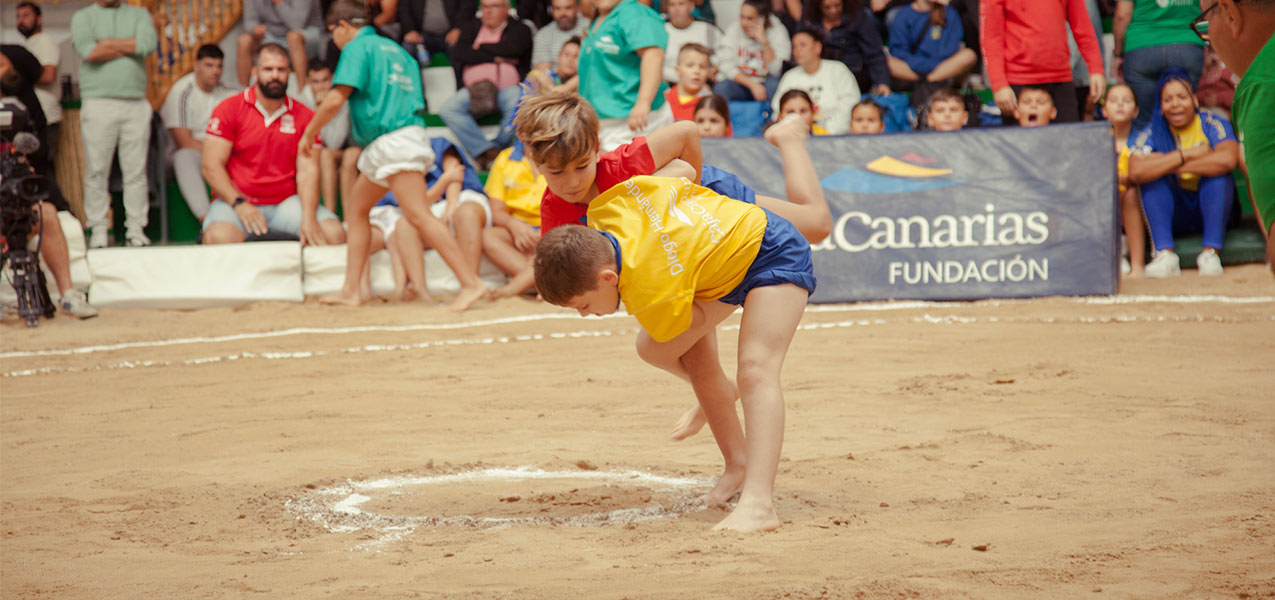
(267, 189)
(45, 49)
(113, 41)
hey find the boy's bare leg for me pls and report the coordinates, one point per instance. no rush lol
(349, 170)
(806, 208)
(377, 244)
(770, 319)
(412, 251)
(693, 357)
(703, 355)
(468, 224)
(401, 290)
(327, 177)
(1131, 214)
(409, 188)
(498, 244)
(358, 241)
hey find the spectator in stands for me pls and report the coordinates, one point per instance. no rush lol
(24, 72)
(433, 24)
(828, 83)
(926, 48)
(620, 71)
(19, 71)
(850, 36)
(493, 55)
(1151, 36)
(692, 71)
(186, 110)
(293, 24)
(514, 188)
(1120, 109)
(945, 110)
(1244, 37)
(1086, 104)
(338, 159)
(1217, 84)
(797, 104)
(1183, 161)
(463, 207)
(751, 55)
(113, 40)
(45, 49)
(1025, 43)
(1036, 106)
(867, 117)
(563, 74)
(682, 29)
(266, 187)
(384, 15)
(701, 10)
(549, 40)
(712, 116)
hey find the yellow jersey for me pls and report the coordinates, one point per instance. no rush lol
(678, 243)
(512, 181)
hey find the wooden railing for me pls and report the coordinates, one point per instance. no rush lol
(182, 27)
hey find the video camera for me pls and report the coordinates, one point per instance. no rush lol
(21, 192)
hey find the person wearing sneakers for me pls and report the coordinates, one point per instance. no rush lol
(1182, 162)
(113, 41)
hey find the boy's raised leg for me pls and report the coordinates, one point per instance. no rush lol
(770, 319)
(411, 251)
(409, 188)
(806, 207)
(358, 240)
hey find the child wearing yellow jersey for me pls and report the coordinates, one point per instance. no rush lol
(1121, 109)
(515, 188)
(682, 258)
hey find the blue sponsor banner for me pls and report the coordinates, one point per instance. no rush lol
(983, 213)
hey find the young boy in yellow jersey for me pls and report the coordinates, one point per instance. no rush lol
(515, 188)
(683, 258)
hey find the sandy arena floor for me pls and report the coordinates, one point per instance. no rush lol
(1058, 448)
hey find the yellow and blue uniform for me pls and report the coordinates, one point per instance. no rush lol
(678, 243)
(512, 181)
(1187, 203)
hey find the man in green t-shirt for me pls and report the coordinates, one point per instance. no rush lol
(382, 82)
(1241, 33)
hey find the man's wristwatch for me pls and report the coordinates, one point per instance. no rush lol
(237, 202)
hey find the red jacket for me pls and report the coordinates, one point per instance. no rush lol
(1025, 41)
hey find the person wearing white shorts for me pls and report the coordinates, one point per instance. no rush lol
(383, 86)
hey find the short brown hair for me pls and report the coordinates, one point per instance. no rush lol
(353, 12)
(568, 260)
(695, 47)
(557, 128)
(945, 94)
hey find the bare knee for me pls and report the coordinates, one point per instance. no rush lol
(246, 42)
(755, 372)
(295, 38)
(494, 237)
(222, 233)
(333, 233)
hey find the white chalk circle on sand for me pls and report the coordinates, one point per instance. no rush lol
(394, 507)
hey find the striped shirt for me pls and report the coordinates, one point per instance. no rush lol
(189, 107)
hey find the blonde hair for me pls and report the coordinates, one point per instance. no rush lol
(568, 260)
(557, 128)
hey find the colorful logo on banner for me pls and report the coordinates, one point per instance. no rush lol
(911, 172)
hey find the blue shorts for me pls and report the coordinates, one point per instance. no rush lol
(284, 217)
(784, 257)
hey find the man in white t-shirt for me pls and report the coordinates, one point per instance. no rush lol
(832, 87)
(684, 29)
(550, 39)
(186, 111)
(44, 48)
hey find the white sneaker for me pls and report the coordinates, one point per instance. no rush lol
(74, 303)
(136, 237)
(98, 237)
(1125, 267)
(1164, 264)
(1209, 263)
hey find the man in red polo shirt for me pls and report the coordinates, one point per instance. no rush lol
(251, 162)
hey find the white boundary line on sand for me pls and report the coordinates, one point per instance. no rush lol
(338, 507)
(816, 308)
(927, 319)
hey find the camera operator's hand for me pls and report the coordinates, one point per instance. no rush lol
(253, 221)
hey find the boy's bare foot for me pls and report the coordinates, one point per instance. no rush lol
(342, 298)
(504, 291)
(727, 486)
(688, 424)
(467, 297)
(749, 517)
(789, 129)
(405, 294)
